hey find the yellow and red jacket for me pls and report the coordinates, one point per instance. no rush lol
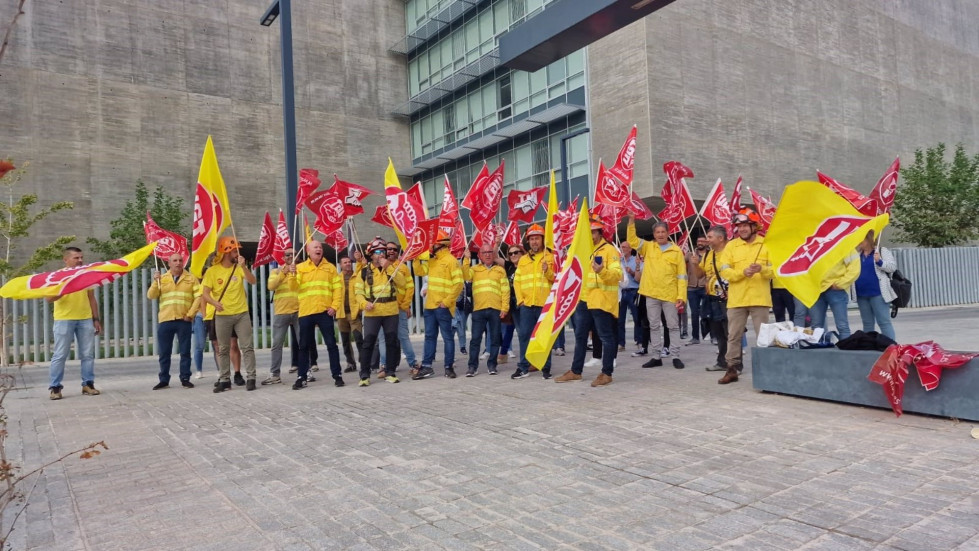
(386, 285)
(444, 281)
(664, 272)
(286, 289)
(491, 287)
(531, 282)
(743, 290)
(178, 299)
(320, 288)
(601, 290)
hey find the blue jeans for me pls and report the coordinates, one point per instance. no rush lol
(800, 313)
(526, 320)
(403, 336)
(695, 298)
(600, 321)
(485, 321)
(164, 337)
(836, 300)
(438, 320)
(508, 329)
(307, 342)
(200, 337)
(628, 304)
(459, 326)
(875, 309)
(66, 331)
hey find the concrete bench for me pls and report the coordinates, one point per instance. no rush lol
(841, 376)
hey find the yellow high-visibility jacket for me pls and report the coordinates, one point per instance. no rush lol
(743, 290)
(601, 290)
(320, 287)
(491, 287)
(387, 284)
(444, 281)
(286, 289)
(707, 265)
(349, 295)
(664, 273)
(178, 300)
(406, 294)
(531, 282)
(843, 274)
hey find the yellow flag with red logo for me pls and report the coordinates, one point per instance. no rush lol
(565, 293)
(212, 212)
(551, 209)
(813, 230)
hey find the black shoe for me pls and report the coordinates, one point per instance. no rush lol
(546, 375)
(423, 373)
(239, 380)
(450, 373)
(683, 335)
(250, 385)
(222, 386)
(462, 351)
(471, 373)
(518, 374)
(350, 369)
(186, 384)
(310, 379)
(161, 385)
(654, 363)
(338, 382)
(299, 384)
(677, 364)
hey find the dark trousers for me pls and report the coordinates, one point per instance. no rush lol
(508, 329)
(392, 346)
(486, 321)
(695, 299)
(164, 338)
(628, 305)
(526, 320)
(716, 312)
(358, 341)
(307, 342)
(782, 304)
(603, 323)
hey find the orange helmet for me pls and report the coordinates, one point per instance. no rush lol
(746, 216)
(377, 244)
(227, 244)
(535, 229)
(443, 237)
(596, 222)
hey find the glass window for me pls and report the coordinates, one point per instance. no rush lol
(556, 72)
(501, 17)
(576, 62)
(518, 9)
(416, 139)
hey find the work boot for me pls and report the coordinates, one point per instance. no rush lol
(250, 384)
(731, 376)
(568, 377)
(602, 380)
(239, 380)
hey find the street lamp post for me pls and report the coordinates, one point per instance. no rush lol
(282, 10)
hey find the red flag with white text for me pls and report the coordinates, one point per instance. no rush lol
(524, 204)
(882, 196)
(625, 162)
(716, 209)
(336, 239)
(309, 180)
(330, 213)
(406, 212)
(382, 216)
(266, 242)
(351, 195)
(486, 201)
(511, 236)
(610, 191)
(736, 197)
(168, 243)
(639, 208)
(478, 184)
(858, 200)
(765, 208)
(282, 240)
(422, 239)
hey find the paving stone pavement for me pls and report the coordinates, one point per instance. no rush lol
(661, 459)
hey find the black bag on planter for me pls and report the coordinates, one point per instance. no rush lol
(902, 288)
(872, 340)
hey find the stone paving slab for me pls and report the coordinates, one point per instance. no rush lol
(660, 459)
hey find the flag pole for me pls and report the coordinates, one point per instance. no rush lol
(401, 261)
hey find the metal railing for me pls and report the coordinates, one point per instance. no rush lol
(940, 277)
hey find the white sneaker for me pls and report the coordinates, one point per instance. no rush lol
(511, 354)
(593, 362)
(484, 355)
(199, 375)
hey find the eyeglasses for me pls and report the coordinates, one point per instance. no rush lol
(516, 253)
(486, 252)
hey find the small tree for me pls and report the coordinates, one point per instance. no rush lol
(937, 202)
(127, 234)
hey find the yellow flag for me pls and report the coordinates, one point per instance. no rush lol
(551, 209)
(565, 293)
(212, 212)
(391, 182)
(813, 230)
(309, 233)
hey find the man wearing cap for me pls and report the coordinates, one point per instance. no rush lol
(320, 299)
(444, 286)
(532, 283)
(598, 307)
(285, 302)
(224, 289)
(491, 302)
(349, 323)
(745, 265)
(178, 292)
(76, 318)
(376, 287)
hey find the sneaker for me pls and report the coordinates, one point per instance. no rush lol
(338, 382)
(293, 369)
(350, 368)
(519, 374)
(546, 375)
(684, 335)
(512, 355)
(559, 352)
(315, 367)
(272, 380)
(89, 389)
(713, 340)
(462, 351)
(239, 380)
(568, 377)
(200, 375)
(716, 368)
(693, 341)
(250, 385)
(655, 362)
(678, 364)
(55, 393)
(392, 379)
(593, 362)
(161, 385)
(450, 373)
(365, 382)
(299, 384)
(484, 355)
(602, 380)
(471, 373)
(423, 373)
(639, 353)
(665, 351)
(502, 359)
(221, 386)
(492, 372)
(186, 384)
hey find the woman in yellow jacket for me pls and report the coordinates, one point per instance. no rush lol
(377, 287)
(664, 284)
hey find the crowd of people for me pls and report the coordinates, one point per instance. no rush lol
(706, 294)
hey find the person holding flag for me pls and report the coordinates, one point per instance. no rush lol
(230, 309)
(376, 288)
(491, 302)
(76, 318)
(285, 302)
(320, 298)
(532, 283)
(715, 307)
(350, 323)
(444, 286)
(179, 296)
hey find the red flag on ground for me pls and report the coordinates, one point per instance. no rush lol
(524, 204)
(282, 240)
(309, 180)
(736, 197)
(351, 195)
(716, 209)
(890, 372)
(882, 196)
(859, 201)
(610, 191)
(382, 216)
(511, 236)
(422, 239)
(168, 243)
(478, 184)
(406, 212)
(765, 208)
(930, 359)
(330, 213)
(638, 207)
(486, 200)
(624, 163)
(266, 243)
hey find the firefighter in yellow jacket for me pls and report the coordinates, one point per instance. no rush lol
(491, 303)
(531, 285)
(598, 308)
(179, 294)
(664, 284)
(377, 286)
(444, 286)
(320, 299)
(285, 303)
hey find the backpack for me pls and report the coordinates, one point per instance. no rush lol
(902, 288)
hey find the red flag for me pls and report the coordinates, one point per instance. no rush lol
(486, 201)
(382, 216)
(309, 180)
(638, 207)
(476, 190)
(330, 213)
(511, 236)
(450, 209)
(890, 372)
(406, 212)
(336, 239)
(673, 216)
(855, 198)
(622, 169)
(715, 208)
(684, 242)
(565, 222)
(524, 204)
(675, 172)
(736, 197)
(679, 203)
(457, 247)
(608, 229)
(282, 240)
(415, 192)
(492, 234)
(765, 208)
(612, 216)
(610, 191)
(168, 243)
(930, 359)
(882, 196)
(351, 195)
(266, 243)
(422, 239)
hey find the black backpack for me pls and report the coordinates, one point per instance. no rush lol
(902, 290)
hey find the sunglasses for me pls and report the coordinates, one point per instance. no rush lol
(515, 253)
(379, 252)
(392, 250)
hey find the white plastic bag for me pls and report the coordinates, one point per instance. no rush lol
(768, 332)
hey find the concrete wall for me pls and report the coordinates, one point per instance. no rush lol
(776, 89)
(101, 93)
